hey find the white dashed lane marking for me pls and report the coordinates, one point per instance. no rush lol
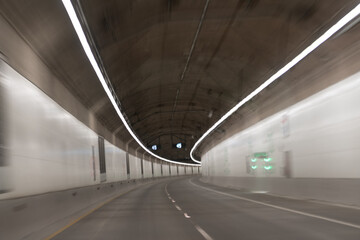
(197, 227)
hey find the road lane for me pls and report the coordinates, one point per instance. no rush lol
(145, 213)
(226, 217)
(180, 209)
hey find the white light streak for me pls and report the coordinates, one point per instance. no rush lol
(331, 31)
(79, 31)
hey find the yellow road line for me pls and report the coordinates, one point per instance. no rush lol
(88, 213)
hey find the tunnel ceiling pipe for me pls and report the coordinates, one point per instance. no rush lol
(85, 44)
(330, 32)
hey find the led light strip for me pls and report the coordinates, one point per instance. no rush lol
(79, 31)
(337, 26)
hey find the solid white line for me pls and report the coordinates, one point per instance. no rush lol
(335, 204)
(280, 208)
(284, 196)
(203, 233)
(260, 192)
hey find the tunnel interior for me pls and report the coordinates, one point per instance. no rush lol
(200, 119)
(178, 66)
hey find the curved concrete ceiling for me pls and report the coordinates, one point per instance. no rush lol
(174, 74)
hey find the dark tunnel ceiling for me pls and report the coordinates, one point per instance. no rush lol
(144, 46)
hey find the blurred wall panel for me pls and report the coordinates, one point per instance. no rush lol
(49, 149)
(115, 163)
(135, 167)
(316, 138)
(147, 168)
(310, 149)
(173, 170)
(4, 136)
(165, 169)
(157, 168)
(181, 170)
(46, 149)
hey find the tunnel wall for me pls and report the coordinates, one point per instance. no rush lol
(181, 170)
(50, 150)
(165, 170)
(147, 169)
(17, 52)
(190, 171)
(115, 163)
(157, 169)
(135, 167)
(53, 171)
(173, 170)
(309, 150)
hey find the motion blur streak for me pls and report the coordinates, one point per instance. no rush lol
(4, 169)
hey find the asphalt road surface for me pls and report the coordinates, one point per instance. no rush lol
(185, 208)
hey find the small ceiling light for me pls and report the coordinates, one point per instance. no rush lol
(210, 114)
(179, 145)
(154, 147)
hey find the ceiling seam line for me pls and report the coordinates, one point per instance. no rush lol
(190, 54)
